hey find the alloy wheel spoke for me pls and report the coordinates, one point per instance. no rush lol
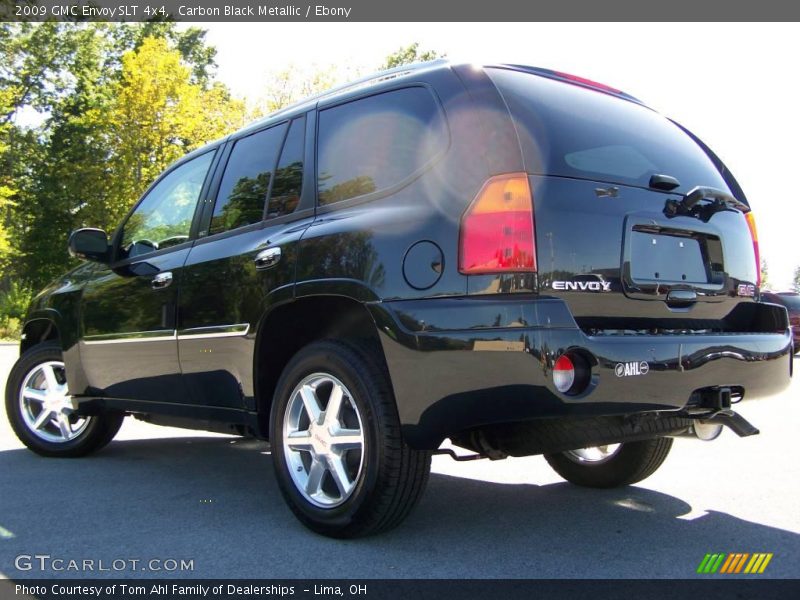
(299, 440)
(44, 417)
(334, 406)
(311, 403)
(315, 475)
(50, 378)
(339, 474)
(35, 395)
(64, 425)
(347, 439)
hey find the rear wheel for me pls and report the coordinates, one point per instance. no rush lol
(612, 465)
(339, 458)
(40, 411)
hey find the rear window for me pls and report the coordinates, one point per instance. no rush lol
(571, 131)
(374, 143)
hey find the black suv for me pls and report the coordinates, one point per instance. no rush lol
(519, 260)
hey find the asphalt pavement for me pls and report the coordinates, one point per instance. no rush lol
(212, 501)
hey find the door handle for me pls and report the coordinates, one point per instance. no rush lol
(267, 258)
(161, 281)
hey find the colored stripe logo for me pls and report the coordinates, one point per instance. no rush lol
(734, 563)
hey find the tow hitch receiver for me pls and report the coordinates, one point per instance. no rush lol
(713, 411)
(734, 421)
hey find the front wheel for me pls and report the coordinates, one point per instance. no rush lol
(339, 458)
(612, 465)
(40, 411)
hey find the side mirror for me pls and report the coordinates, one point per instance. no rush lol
(90, 244)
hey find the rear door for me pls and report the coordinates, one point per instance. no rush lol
(605, 242)
(128, 346)
(243, 261)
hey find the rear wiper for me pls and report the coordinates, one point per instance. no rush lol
(690, 204)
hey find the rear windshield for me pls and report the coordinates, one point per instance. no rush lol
(571, 131)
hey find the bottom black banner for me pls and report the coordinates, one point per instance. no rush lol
(463, 589)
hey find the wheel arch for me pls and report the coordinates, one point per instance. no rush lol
(287, 327)
(41, 326)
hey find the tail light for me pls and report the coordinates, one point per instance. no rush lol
(751, 224)
(497, 228)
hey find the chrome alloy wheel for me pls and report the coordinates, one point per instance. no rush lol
(46, 407)
(594, 455)
(323, 440)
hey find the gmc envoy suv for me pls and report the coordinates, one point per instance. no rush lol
(515, 259)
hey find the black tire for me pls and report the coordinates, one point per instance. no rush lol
(99, 430)
(631, 463)
(392, 476)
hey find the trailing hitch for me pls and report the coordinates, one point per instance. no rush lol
(713, 411)
(733, 421)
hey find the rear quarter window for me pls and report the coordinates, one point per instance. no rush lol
(570, 131)
(375, 143)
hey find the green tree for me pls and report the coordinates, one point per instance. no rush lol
(410, 54)
(157, 116)
(764, 274)
(83, 165)
(291, 84)
(32, 63)
(796, 280)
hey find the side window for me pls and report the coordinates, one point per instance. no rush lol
(289, 174)
(164, 217)
(376, 142)
(245, 184)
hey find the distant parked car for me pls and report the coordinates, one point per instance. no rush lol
(791, 300)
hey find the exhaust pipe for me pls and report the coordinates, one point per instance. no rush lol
(705, 431)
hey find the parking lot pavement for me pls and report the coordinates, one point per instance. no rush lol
(172, 494)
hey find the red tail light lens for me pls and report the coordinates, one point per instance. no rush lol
(751, 224)
(497, 228)
(563, 374)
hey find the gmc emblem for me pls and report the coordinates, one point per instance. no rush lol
(746, 289)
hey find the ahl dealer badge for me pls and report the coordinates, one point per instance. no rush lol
(629, 369)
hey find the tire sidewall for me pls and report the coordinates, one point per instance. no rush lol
(322, 358)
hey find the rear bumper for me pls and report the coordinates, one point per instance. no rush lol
(461, 363)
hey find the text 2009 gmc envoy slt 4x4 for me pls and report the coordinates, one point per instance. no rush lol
(519, 260)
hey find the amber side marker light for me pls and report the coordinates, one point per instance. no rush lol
(497, 228)
(751, 224)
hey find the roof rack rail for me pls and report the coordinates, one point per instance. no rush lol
(363, 82)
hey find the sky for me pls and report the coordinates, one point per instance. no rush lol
(734, 85)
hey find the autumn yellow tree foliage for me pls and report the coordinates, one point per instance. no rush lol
(157, 116)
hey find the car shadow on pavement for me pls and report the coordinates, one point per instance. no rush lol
(215, 501)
